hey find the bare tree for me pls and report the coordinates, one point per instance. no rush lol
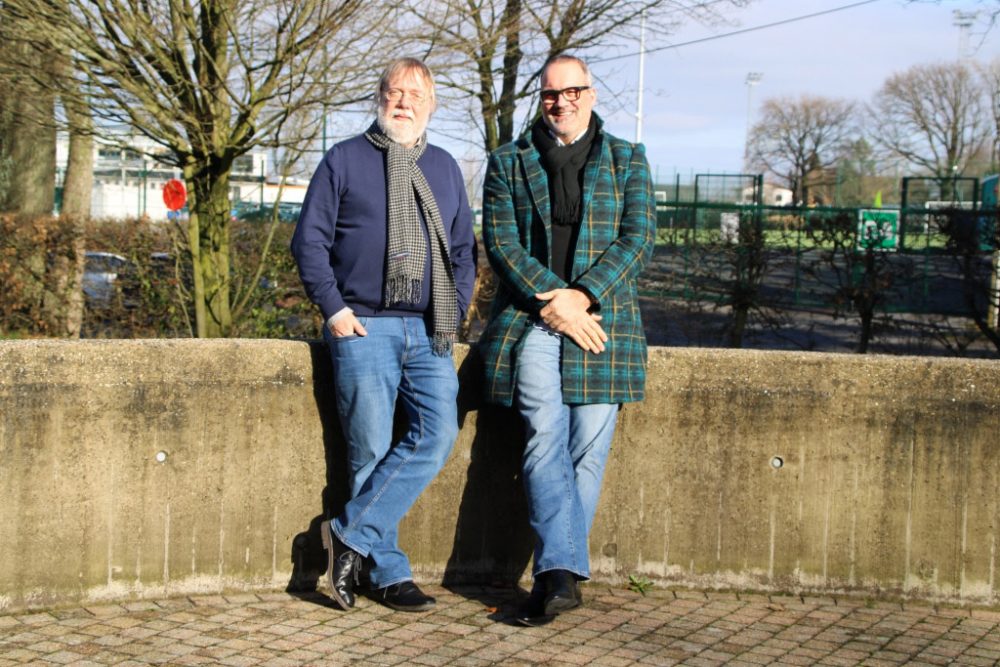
(932, 117)
(488, 57)
(28, 72)
(799, 141)
(853, 275)
(492, 51)
(990, 75)
(861, 177)
(209, 82)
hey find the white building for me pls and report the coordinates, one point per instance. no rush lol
(773, 195)
(128, 180)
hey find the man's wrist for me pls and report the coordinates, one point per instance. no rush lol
(586, 293)
(337, 316)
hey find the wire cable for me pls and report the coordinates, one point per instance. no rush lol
(737, 32)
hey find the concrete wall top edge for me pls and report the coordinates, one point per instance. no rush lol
(272, 360)
(53, 345)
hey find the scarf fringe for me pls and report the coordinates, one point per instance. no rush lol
(401, 289)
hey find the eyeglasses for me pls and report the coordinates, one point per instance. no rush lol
(395, 94)
(572, 94)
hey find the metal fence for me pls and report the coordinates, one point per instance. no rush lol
(869, 263)
(926, 242)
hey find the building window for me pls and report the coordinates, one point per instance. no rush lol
(243, 164)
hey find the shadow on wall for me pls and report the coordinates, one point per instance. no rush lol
(308, 557)
(490, 537)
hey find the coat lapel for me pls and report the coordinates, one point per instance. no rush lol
(538, 183)
(592, 171)
(597, 165)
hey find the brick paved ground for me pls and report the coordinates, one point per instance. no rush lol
(470, 627)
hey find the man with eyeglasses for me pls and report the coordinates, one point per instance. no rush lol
(385, 248)
(568, 225)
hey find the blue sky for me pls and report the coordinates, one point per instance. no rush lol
(695, 106)
(695, 96)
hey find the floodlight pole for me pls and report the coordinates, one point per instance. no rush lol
(753, 78)
(963, 21)
(642, 62)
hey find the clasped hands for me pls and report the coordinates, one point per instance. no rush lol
(567, 312)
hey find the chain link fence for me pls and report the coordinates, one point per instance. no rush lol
(782, 270)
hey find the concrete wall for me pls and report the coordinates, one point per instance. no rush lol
(890, 478)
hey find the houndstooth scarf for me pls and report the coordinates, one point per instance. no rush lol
(406, 248)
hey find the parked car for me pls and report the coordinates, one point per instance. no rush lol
(100, 275)
(250, 212)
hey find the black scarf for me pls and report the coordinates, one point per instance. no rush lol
(564, 166)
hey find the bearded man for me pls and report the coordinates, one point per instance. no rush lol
(385, 248)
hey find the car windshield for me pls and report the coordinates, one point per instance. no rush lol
(103, 262)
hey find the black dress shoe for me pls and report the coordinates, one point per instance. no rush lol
(531, 612)
(561, 591)
(364, 579)
(342, 567)
(404, 596)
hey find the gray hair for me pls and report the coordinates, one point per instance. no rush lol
(405, 65)
(565, 58)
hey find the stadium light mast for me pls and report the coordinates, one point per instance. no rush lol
(753, 78)
(963, 21)
(642, 63)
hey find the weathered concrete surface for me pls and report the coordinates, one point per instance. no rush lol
(890, 478)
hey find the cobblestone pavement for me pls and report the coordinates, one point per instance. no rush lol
(470, 626)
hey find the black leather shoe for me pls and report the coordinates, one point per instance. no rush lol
(364, 578)
(561, 591)
(342, 569)
(404, 596)
(531, 612)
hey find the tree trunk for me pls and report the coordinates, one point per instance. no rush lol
(208, 238)
(33, 158)
(738, 326)
(512, 57)
(79, 179)
(867, 315)
(31, 148)
(77, 186)
(865, 299)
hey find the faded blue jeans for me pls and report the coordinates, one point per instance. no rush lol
(564, 456)
(386, 478)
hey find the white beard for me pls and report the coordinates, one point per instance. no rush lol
(402, 132)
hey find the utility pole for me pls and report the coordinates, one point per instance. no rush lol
(642, 61)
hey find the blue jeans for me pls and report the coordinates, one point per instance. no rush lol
(565, 452)
(369, 373)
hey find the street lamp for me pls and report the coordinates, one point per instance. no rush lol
(753, 78)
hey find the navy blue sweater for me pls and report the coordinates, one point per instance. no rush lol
(340, 240)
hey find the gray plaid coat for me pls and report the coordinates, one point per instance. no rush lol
(614, 244)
